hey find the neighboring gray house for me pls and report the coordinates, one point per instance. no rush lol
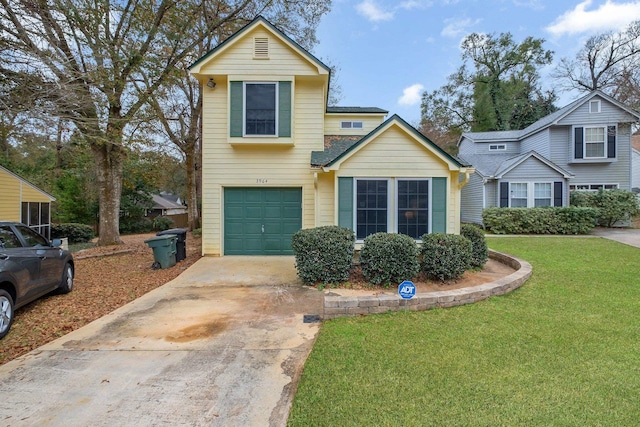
(583, 146)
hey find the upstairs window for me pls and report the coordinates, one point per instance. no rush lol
(594, 142)
(497, 147)
(350, 125)
(594, 106)
(260, 109)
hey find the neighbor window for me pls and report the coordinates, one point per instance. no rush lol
(371, 206)
(592, 187)
(542, 194)
(518, 192)
(260, 108)
(497, 147)
(350, 125)
(413, 207)
(594, 142)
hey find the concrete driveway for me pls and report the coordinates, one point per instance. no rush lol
(221, 345)
(628, 236)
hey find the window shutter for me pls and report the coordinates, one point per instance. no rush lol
(439, 205)
(578, 142)
(504, 194)
(557, 193)
(284, 109)
(345, 202)
(611, 142)
(235, 109)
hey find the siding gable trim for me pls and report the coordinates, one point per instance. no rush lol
(259, 22)
(565, 174)
(24, 181)
(395, 120)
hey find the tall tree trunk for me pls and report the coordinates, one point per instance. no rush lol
(109, 159)
(191, 160)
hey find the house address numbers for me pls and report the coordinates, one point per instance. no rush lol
(262, 180)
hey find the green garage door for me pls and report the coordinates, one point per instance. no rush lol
(261, 221)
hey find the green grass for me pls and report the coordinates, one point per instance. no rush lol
(563, 350)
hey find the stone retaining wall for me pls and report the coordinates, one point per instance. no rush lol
(338, 306)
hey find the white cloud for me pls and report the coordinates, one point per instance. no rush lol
(455, 27)
(415, 4)
(373, 12)
(411, 95)
(608, 16)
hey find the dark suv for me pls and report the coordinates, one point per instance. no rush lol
(30, 266)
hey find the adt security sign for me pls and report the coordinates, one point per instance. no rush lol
(407, 289)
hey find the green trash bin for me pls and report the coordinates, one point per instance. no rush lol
(164, 250)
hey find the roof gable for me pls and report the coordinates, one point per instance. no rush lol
(24, 181)
(259, 22)
(512, 163)
(544, 122)
(350, 148)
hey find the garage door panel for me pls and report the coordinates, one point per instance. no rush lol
(261, 220)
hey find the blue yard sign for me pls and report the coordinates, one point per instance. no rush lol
(407, 289)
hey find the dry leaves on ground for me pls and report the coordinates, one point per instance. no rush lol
(104, 283)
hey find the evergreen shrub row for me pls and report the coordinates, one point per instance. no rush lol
(556, 220)
(612, 205)
(325, 255)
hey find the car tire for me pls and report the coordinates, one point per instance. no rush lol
(6, 312)
(66, 285)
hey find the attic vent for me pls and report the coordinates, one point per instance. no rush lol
(261, 48)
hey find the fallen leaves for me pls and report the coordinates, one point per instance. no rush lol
(106, 279)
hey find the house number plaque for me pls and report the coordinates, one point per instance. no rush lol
(261, 181)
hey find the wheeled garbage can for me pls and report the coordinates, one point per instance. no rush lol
(181, 239)
(164, 250)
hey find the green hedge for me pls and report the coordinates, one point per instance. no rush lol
(323, 254)
(557, 220)
(445, 256)
(612, 205)
(76, 233)
(161, 223)
(479, 249)
(389, 258)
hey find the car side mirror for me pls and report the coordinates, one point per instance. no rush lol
(55, 243)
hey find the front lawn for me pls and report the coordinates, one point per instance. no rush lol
(562, 350)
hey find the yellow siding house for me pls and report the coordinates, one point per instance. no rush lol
(24, 202)
(277, 159)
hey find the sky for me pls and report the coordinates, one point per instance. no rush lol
(388, 52)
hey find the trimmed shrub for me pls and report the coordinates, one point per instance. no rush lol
(76, 233)
(135, 225)
(445, 256)
(557, 220)
(389, 258)
(323, 254)
(161, 223)
(613, 205)
(479, 250)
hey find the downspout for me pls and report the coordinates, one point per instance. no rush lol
(467, 176)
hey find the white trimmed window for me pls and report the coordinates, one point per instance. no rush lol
(350, 125)
(592, 187)
(594, 143)
(594, 106)
(37, 216)
(542, 194)
(497, 147)
(530, 194)
(518, 194)
(392, 206)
